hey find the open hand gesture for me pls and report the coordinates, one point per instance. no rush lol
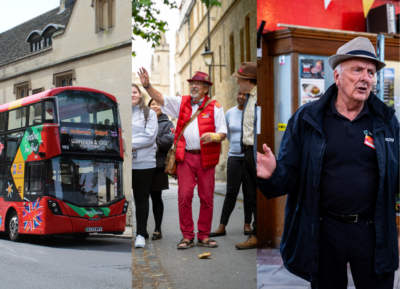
(144, 76)
(266, 163)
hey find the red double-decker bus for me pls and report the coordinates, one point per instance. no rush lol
(61, 164)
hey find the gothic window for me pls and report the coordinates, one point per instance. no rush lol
(247, 27)
(64, 79)
(105, 14)
(232, 53)
(21, 90)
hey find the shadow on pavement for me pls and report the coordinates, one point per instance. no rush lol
(105, 244)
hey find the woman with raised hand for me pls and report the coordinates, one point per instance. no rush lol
(165, 139)
(144, 147)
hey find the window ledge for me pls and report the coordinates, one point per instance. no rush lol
(105, 30)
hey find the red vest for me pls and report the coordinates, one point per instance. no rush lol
(209, 152)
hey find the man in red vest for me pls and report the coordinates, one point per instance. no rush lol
(197, 152)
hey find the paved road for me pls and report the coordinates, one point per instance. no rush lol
(273, 275)
(227, 268)
(61, 262)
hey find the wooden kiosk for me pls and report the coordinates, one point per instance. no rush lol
(279, 95)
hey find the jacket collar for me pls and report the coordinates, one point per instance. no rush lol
(163, 117)
(314, 115)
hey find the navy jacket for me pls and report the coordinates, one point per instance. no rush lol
(298, 175)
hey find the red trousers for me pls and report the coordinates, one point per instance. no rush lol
(190, 172)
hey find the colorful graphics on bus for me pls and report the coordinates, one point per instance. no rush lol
(32, 216)
(91, 212)
(28, 150)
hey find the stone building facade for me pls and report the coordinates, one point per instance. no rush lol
(80, 43)
(230, 32)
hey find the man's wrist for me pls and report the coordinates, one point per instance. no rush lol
(215, 137)
(146, 87)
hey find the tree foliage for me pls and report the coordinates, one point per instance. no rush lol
(146, 24)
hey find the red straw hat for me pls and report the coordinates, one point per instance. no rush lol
(201, 76)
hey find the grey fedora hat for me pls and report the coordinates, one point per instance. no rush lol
(359, 47)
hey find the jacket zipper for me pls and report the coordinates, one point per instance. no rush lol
(314, 226)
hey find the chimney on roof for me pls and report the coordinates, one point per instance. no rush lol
(62, 5)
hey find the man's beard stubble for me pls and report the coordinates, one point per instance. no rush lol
(194, 95)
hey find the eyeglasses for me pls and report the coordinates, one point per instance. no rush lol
(198, 84)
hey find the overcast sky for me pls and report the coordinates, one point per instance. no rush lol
(144, 51)
(13, 13)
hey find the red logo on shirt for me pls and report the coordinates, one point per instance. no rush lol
(1, 148)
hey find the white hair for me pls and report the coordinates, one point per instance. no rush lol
(338, 68)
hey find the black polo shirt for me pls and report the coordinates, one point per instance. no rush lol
(350, 174)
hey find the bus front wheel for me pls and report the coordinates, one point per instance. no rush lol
(80, 236)
(13, 227)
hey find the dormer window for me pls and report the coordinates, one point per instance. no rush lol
(42, 39)
(35, 40)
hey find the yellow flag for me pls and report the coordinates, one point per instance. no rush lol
(367, 4)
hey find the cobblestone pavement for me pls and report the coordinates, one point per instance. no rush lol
(146, 269)
(271, 274)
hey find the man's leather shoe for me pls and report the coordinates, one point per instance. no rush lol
(250, 243)
(212, 235)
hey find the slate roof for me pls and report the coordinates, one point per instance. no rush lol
(13, 43)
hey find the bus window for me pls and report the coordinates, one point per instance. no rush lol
(105, 117)
(49, 115)
(34, 181)
(17, 118)
(35, 114)
(85, 182)
(4, 169)
(12, 142)
(3, 123)
(84, 107)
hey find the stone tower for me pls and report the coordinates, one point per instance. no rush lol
(160, 67)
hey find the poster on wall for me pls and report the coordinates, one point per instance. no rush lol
(388, 87)
(312, 82)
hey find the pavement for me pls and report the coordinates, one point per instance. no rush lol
(271, 274)
(161, 265)
(62, 262)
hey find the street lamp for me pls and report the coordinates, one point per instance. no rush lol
(208, 57)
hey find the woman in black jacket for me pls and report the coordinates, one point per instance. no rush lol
(165, 139)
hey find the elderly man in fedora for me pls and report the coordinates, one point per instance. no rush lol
(197, 153)
(338, 166)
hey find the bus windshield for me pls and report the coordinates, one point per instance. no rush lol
(85, 108)
(84, 182)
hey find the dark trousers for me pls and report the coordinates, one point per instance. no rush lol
(250, 177)
(158, 209)
(234, 180)
(141, 183)
(341, 243)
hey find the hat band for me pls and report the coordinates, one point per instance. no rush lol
(246, 74)
(361, 52)
(197, 78)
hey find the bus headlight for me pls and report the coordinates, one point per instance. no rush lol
(54, 207)
(125, 208)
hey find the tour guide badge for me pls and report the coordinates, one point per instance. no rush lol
(369, 141)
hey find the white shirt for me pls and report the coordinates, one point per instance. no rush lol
(172, 105)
